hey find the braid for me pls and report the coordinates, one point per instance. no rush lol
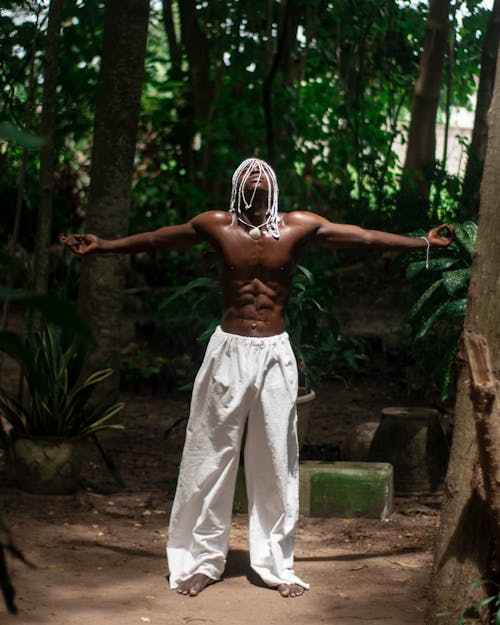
(240, 176)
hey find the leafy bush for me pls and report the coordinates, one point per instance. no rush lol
(321, 350)
(57, 402)
(437, 316)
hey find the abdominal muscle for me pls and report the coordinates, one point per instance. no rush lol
(253, 308)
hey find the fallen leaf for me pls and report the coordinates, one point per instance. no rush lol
(358, 567)
(408, 565)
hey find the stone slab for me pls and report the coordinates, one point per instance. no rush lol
(337, 489)
(347, 489)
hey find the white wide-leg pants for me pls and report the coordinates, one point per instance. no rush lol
(241, 380)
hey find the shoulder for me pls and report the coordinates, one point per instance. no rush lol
(211, 219)
(304, 219)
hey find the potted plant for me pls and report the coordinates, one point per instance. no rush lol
(53, 418)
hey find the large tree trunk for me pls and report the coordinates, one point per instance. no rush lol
(115, 132)
(422, 134)
(46, 178)
(464, 545)
(485, 396)
(477, 148)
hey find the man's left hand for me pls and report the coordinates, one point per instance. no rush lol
(441, 236)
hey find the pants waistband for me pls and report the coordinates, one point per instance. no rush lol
(275, 338)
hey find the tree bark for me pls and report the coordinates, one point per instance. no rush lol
(464, 544)
(115, 132)
(422, 134)
(46, 176)
(485, 399)
(477, 148)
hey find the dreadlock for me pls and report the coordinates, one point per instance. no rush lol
(240, 176)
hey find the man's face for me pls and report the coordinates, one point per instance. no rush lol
(256, 180)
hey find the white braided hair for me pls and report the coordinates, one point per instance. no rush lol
(238, 200)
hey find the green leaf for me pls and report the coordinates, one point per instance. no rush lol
(99, 420)
(13, 411)
(465, 236)
(486, 601)
(427, 324)
(190, 286)
(456, 308)
(441, 263)
(25, 139)
(414, 268)
(456, 280)
(447, 365)
(16, 348)
(423, 299)
(306, 272)
(108, 460)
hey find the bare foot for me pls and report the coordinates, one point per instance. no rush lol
(290, 590)
(194, 585)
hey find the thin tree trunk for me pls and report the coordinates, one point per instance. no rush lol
(115, 133)
(46, 180)
(422, 134)
(281, 55)
(464, 544)
(477, 148)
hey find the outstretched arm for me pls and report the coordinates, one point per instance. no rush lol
(334, 235)
(179, 237)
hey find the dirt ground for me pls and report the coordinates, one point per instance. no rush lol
(100, 553)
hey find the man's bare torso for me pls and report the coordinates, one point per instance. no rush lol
(256, 273)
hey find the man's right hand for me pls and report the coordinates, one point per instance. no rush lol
(81, 244)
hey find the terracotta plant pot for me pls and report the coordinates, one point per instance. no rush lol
(48, 465)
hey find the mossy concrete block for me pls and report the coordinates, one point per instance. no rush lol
(337, 489)
(347, 489)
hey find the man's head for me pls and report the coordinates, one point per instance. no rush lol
(251, 177)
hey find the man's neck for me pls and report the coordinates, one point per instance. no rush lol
(256, 214)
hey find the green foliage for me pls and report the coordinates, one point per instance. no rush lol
(437, 316)
(340, 100)
(322, 352)
(58, 400)
(201, 301)
(27, 140)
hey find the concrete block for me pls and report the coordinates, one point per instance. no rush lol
(347, 489)
(337, 489)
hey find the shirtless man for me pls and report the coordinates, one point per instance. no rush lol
(248, 376)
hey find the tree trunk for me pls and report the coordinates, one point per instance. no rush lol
(477, 148)
(464, 543)
(115, 132)
(422, 134)
(485, 396)
(282, 60)
(46, 178)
